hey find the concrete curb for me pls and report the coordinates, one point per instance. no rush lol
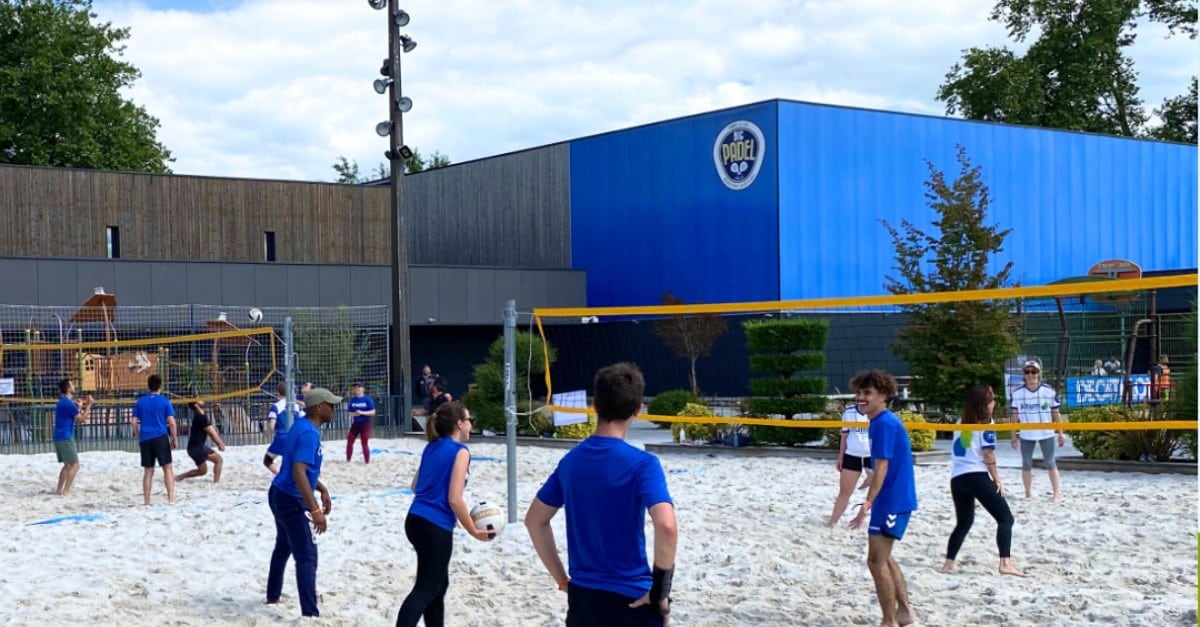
(1112, 465)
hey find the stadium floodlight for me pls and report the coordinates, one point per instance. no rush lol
(385, 68)
(408, 43)
(384, 128)
(404, 104)
(401, 17)
(406, 152)
(377, 4)
(382, 84)
(403, 152)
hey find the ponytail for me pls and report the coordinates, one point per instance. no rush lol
(444, 420)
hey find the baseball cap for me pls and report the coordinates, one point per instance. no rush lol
(317, 396)
(1032, 364)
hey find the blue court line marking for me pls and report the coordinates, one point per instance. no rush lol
(72, 518)
(484, 458)
(400, 492)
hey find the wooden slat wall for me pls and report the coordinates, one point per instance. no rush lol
(513, 211)
(50, 212)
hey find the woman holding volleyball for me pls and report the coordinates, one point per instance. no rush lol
(437, 504)
(974, 477)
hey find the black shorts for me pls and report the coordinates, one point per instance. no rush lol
(156, 449)
(199, 455)
(855, 464)
(588, 607)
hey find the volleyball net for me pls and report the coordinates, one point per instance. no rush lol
(219, 355)
(1099, 342)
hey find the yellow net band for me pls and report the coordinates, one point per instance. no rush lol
(1009, 293)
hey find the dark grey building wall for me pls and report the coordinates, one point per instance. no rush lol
(513, 210)
(440, 295)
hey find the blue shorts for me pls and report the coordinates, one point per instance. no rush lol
(278, 445)
(888, 525)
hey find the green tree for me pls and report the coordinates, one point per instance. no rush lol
(60, 91)
(1076, 73)
(327, 350)
(952, 346)
(783, 350)
(1178, 117)
(486, 402)
(349, 173)
(691, 336)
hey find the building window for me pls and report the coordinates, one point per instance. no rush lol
(114, 242)
(269, 245)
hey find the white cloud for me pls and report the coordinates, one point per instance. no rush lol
(280, 88)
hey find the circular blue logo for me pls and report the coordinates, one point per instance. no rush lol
(738, 154)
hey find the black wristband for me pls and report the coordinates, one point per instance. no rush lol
(660, 588)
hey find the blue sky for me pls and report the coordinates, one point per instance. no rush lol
(281, 88)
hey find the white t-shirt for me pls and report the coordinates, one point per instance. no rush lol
(966, 454)
(1034, 407)
(858, 443)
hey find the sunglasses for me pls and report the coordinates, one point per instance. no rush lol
(470, 420)
(1031, 372)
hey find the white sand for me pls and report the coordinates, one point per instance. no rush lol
(1120, 551)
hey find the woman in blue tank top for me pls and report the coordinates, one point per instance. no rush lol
(438, 503)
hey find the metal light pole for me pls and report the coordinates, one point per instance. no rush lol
(397, 153)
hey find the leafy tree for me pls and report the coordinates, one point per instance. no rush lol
(953, 346)
(1075, 74)
(1178, 117)
(691, 336)
(60, 91)
(349, 173)
(486, 402)
(327, 348)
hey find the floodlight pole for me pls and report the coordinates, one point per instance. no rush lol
(401, 358)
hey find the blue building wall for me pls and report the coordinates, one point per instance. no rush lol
(1071, 199)
(649, 214)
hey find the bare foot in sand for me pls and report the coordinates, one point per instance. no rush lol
(948, 566)
(906, 617)
(1058, 499)
(1007, 568)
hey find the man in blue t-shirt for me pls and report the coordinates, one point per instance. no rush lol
(892, 497)
(607, 485)
(362, 410)
(66, 414)
(291, 497)
(157, 434)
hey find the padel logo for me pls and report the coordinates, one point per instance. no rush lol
(738, 154)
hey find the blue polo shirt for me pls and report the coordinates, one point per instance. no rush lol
(64, 419)
(889, 440)
(431, 498)
(606, 486)
(152, 411)
(303, 446)
(360, 403)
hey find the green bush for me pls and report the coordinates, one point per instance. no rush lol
(922, 439)
(833, 436)
(695, 431)
(488, 414)
(1122, 445)
(577, 431)
(486, 402)
(670, 403)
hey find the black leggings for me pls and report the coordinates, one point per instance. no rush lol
(427, 599)
(978, 486)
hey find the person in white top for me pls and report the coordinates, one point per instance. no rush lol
(1037, 403)
(854, 458)
(974, 477)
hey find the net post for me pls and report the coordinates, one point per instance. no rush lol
(510, 402)
(288, 375)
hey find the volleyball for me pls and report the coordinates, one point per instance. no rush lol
(488, 516)
(255, 314)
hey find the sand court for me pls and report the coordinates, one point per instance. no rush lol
(753, 550)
